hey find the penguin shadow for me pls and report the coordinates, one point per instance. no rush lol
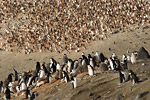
(141, 79)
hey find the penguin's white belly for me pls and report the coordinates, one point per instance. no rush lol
(42, 74)
(128, 58)
(91, 63)
(111, 65)
(133, 60)
(91, 72)
(69, 66)
(75, 84)
(23, 86)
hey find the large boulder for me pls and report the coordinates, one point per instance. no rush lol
(143, 54)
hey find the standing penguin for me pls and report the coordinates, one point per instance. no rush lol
(38, 67)
(7, 94)
(102, 57)
(10, 77)
(33, 96)
(28, 93)
(49, 77)
(70, 65)
(42, 73)
(74, 82)
(133, 58)
(1, 86)
(97, 58)
(123, 76)
(133, 77)
(112, 64)
(23, 85)
(76, 63)
(124, 58)
(65, 76)
(92, 62)
(90, 70)
(53, 64)
(58, 67)
(65, 58)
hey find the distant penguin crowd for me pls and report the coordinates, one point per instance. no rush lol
(65, 25)
(22, 83)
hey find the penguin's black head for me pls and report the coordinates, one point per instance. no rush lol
(89, 56)
(43, 64)
(1, 82)
(131, 72)
(11, 74)
(38, 63)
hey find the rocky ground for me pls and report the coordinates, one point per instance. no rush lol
(102, 86)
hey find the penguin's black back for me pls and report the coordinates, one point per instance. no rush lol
(7, 93)
(10, 77)
(38, 67)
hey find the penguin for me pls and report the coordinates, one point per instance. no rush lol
(112, 64)
(75, 64)
(1, 86)
(12, 86)
(114, 56)
(74, 82)
(124, 58)
(16, 74)
(84, 66)
(83, 55)
(92, 62)
(53, 64)
(133, 77)
(7, 94)
(58, 67)
(133, 58)
(128, 58)
(44, 68)
(89, 56)
(123, 76)
(29, 81)
(28, 93)
(97, 58)
(49, 78)
(70, 67)
(10, 77)
(90, 70)
(38, 67)
(65, 76)
(65, 58)
(23, 85)
(117, 64)
(33, 96)
(42, 73)
(102, 57)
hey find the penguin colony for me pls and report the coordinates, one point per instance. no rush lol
(57, 25)
(18, 83)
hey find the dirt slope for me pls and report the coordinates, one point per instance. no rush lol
(104, 86)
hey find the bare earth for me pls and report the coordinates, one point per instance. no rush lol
(102, 86)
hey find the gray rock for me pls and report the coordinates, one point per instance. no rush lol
(143, 54)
